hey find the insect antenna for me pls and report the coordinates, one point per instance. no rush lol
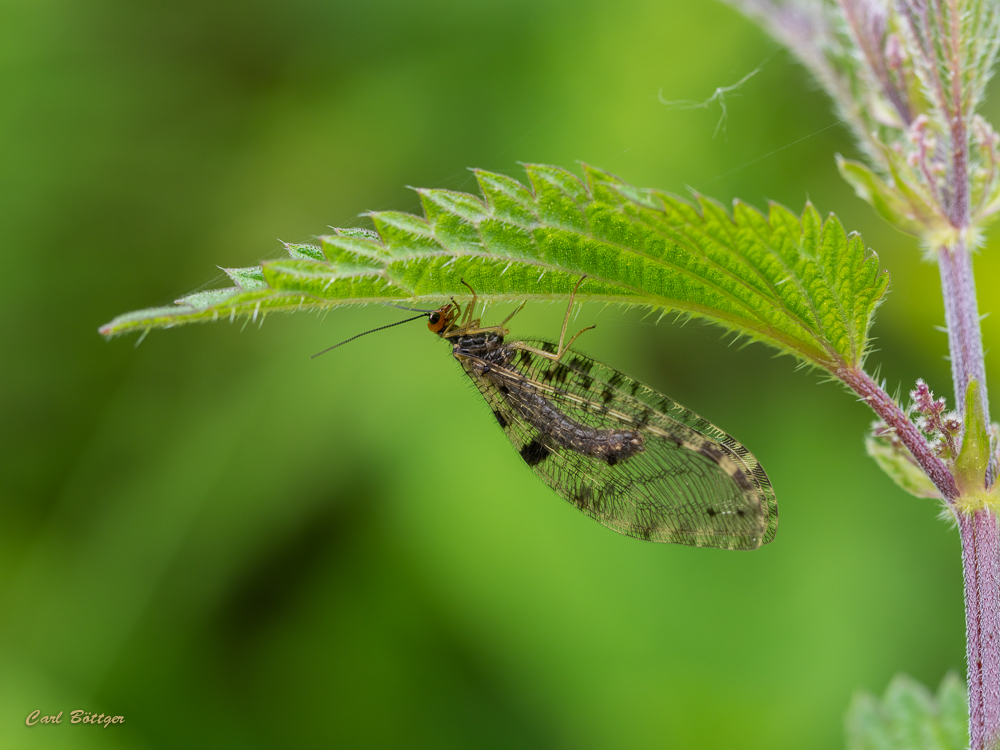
(380, 328)
(408, 309)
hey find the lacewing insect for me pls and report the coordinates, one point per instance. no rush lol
(627, 456)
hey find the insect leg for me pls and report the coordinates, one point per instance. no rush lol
(507, 319)
(467, 323)
(548, 355)
(564, 349)
(562, 334)
(569, 309)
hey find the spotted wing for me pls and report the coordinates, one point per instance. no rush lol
(626, 455)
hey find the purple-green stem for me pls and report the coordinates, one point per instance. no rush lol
(979, 532)
(961, 314)
(980, 556)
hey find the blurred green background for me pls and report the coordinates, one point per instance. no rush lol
(234, 546)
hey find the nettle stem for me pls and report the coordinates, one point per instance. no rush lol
(980, 557)
(979, 532)
(961, 314)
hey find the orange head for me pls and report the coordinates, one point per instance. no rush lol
(441, 319)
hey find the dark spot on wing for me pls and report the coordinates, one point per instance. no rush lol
(548, 346)
(534, 453)
(500, 419)
(559, 373)
(710, 451)
(581, 498)
(580, 369)
(504, 389)
(607, 396)
(741, 513)
(711, 512)
(525, 358)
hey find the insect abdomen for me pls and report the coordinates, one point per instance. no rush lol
(608, 444)
(491, 362)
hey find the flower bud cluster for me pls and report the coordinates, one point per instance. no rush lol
(942, 429)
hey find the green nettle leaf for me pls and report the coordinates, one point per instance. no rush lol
(909, 717)
(800, 284)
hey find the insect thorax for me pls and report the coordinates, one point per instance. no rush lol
(485, 348)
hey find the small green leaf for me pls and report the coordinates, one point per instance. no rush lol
(887, 201)
(970, 466)
(897, 462)
(909, 717)
(901, 198)
(798, 283)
